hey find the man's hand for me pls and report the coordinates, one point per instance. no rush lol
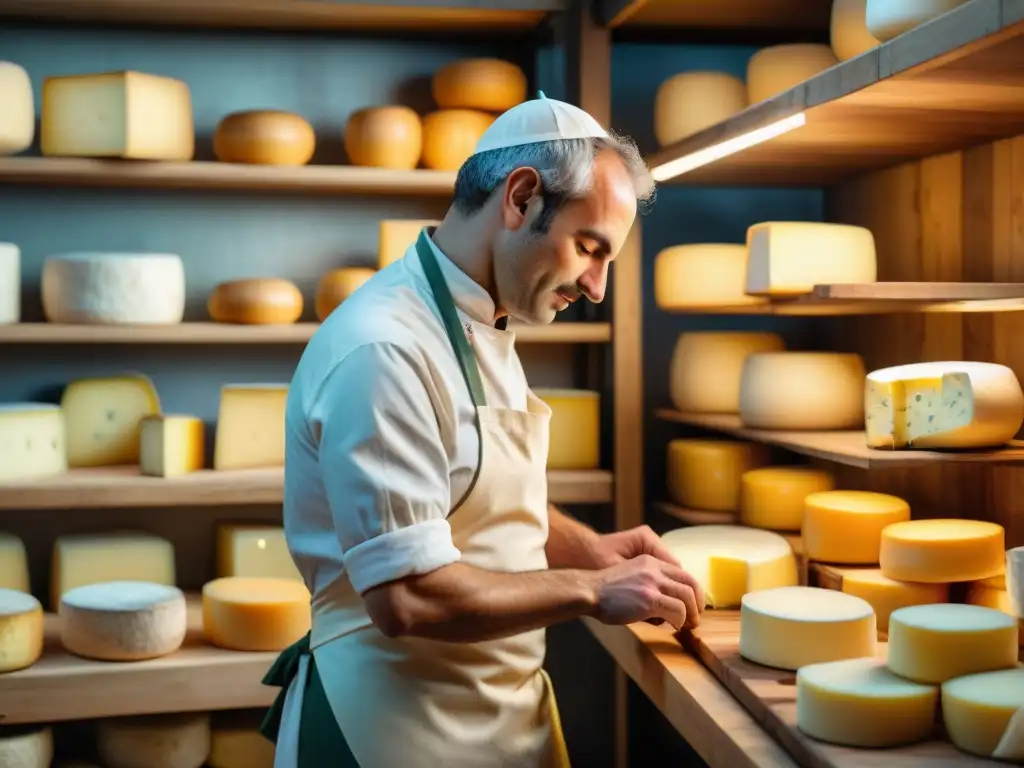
(645, 588)
(613, 548)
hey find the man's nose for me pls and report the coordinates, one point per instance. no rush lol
(594, 281)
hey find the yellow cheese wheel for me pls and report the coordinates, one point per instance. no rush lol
(848, 32)
(846, 526)
(493, 85)
(254, 614)
(575, 428)
(691, 101)
(264, 137)
(941, 551)
(773, 497)
(887, 595)
(451, 135)
(384, 137)
(707, 366)
(338, 285)
(778, 68)
(705, 474)
(21, 630)
(257, 301)
(702, 275)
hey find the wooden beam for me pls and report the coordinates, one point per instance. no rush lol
(613, 13)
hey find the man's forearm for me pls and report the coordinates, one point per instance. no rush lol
(570, 542)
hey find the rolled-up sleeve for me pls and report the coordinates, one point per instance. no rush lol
(384, 466)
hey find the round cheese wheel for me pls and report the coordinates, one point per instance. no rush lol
(384, 137)
(574, 429)
(451, 135)
(984, 713)
(337, 285)
(26, 746)
(264, 137)
(773, 497)
(492, 85)
(937, 551)
(887, 595)
(846, 527)
(236, 741)
(887, 19)
(255, 614)
(848, 31)
(706, 368)
(256, 301)
(705, 474)
(154, 741)
(21, 630)
(778, 68)
(702, 275)
(691, 101)
(19, 122)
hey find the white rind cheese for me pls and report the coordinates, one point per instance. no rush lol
(692, 101)
(154, 741)
(21, 631)
(984, 713)
(848, 31)
(1015, 580)
(886, 19)
(702, 275)
(26, 747)
(706, 367)
(10, 280)
(32, 441)
(18, 113)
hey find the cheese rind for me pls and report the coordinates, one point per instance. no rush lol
(492, 85)
(886, 19)
(706, 474)
(887, 595)
(10, 279)
(336, 286)
(103, 417)
(773, 497)
(250, 426)
(984, 713)
(253, 550)
(778, 68)
(384, 137)
(264, 137)
(18, 116)
(397, 236)
(791, 627)
(171, 445)
(13, 563)
(1015, 580)
(256, 301)
(451, 135)
(942, 551)
(26, 747)
(689, 102)
(702, 275)
(574, 428)
(21, 631)
(154, 741)
(845, 527)
(942, 405)
(706, 368)
(32, 441)
(253, 614)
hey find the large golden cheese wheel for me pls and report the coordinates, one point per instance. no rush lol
(256, 301)
(492, 85)
(338, 285)
(778, 68)
(848, 30)
(264, 137)
(384, 137)
(691, 101)
(451, 135)
(574, 428)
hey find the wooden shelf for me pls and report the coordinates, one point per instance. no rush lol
(841, 447)
(141, 174)
(946, 85)
(113, 487)
(780, 15)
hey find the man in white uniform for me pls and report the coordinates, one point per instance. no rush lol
(415, 500)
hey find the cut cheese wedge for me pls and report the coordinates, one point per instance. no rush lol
(729, 561)
(706, 368)
(791, 627)
(935, 643)
(887, 595)
(773, 497)
(154, 741)
(103, 419)
(860, 703)
(702, 275)
(21, 631)
(32, 441)
(705, 474)
(942, 551)
(846, 526)
(1015, 580)
(254, 614)
(171, 445)
(26, 747)
(984, 713)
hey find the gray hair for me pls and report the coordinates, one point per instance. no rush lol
(566, 168)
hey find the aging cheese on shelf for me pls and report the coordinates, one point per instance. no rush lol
(935, 643)
(264, 137)
(860, 703)
(791, 627)
(451, 135)
(397, 236)
(778, 68)
(848, 31)
(254, 614)
(336, 286)
(802, 391)
(846, 527)
(90, 558)
(988, 597)
(691, 101)
(10, 277)
(731, 561)
(114, 288)
(984, 713)
(887, 595)
(154, 741)
(18, 116)
(702, 275)
(171, 445)
(491, 85)
(773, 497)
(254, 550)
(13, 563)
(384, 137)
(102, 419)
(942, 551)
(887, 19)
(236, 741)
(706, 368)
(122, 620)
(26, 747)
(942, 405)
(250, 426)
(21, 631)
(788, 258)
(705, 474)
(575, 428)
(256, 301)
(32, 441)
(1015, 580)
(129, 115)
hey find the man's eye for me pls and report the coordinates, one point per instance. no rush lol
(583, 249)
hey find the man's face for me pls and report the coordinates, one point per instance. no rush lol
(540, 273)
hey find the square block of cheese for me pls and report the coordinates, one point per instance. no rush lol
(31, 441)
(102, 419)
(397, 236)
(171, 445)
(250, 426)
(254, 550)
(17, 109)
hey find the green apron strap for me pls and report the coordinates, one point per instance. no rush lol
(280, 675)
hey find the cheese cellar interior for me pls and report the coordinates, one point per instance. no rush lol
(805, 377)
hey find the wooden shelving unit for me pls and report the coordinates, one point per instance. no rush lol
(781, 15)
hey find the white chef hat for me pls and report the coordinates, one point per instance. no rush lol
(541, 119)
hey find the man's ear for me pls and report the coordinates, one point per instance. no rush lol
(522, 188)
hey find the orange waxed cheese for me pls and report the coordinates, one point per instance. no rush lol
(943, 550)
(846, 526)
(451, 135)
(257, 301)
(255, 614)
(492, 85)
(264, 137)
(384, 137)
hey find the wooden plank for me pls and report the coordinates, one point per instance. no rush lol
(782, 15)
(698, 516)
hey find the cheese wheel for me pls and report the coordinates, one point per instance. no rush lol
(384, 137)
(26, 746)
(887, 19)
(171, 445)
(935, 643)
(773, 497)
(942, 405)
(264, 137)
(492, 85)
(784, 258)
(848, 31)
(802, 391)
(791, 627)
(706, 367)
(689, 102)
(336, 286)
(18, 117)
(705, 474)
(103, 417)
(123, 620)
(988, 597)
(21, 631)
(113, 288)
(730, 561)
(887, 595)
(1015, 580)
(32, 441)
(255, 614)
(702, 275)
(256, 301)
(941, 551)
(250, 426)
(154, 741)
(397, 236)
(245, 549)
(574, 429)
(13, 561)
(860, 703)
(778, 68)
(450, 136)
(984, 713)
(845, 527)
(236, 741)
(10, 273)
